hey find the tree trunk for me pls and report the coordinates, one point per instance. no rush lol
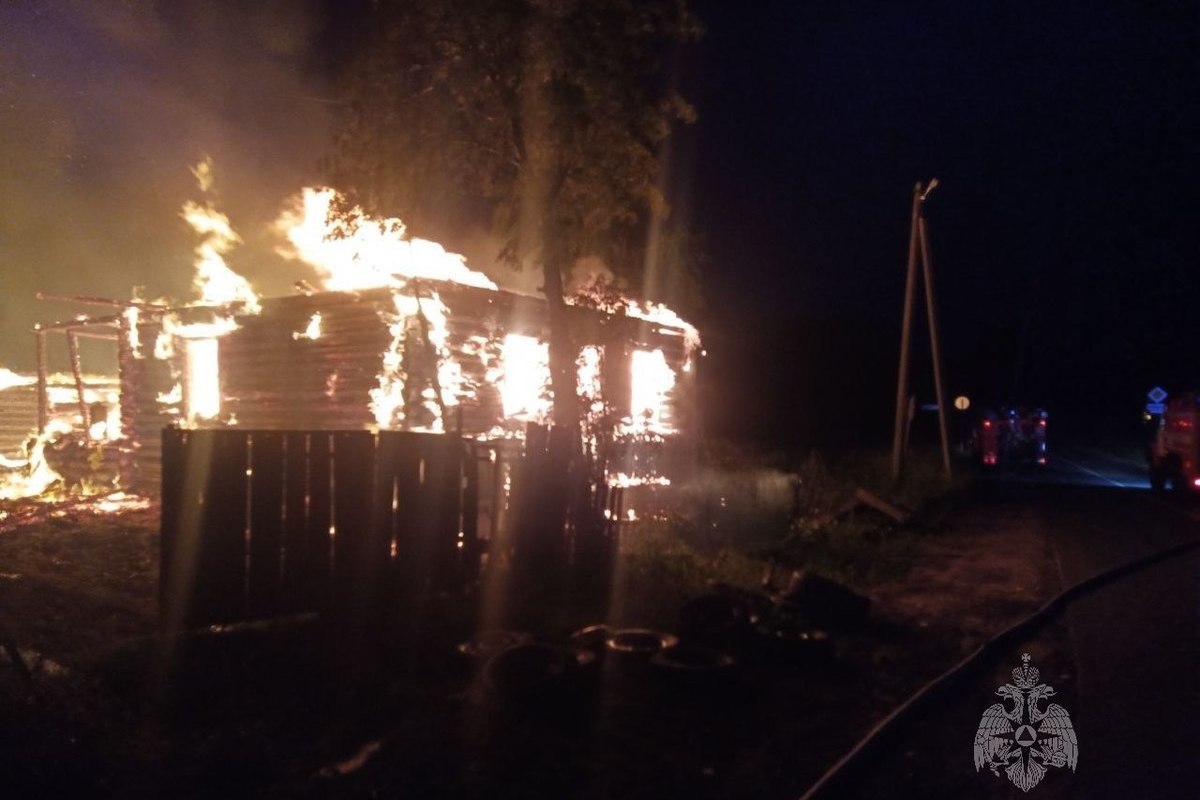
(562, 349)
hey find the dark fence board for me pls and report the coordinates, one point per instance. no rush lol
(172, 583)
(267, 481)
(220, 584)
(296, 595)
(470, 553)
(261, 523)
(318, 547)
(442, 488)
(357, 553)
(408, 520)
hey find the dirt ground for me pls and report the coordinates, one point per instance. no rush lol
(294, 713)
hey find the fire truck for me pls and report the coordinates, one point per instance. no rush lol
(1012, 435)
(1175, 451)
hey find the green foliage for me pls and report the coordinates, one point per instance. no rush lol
(545, 115)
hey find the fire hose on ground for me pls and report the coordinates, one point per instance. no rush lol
(840, 771)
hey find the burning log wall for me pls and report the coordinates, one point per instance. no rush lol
(18, 416)
(320, 361)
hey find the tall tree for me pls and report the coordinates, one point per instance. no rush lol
(545, 115)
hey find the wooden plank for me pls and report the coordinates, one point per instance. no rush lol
(318, 548)
(442, 490)
(359, 548)
(220, 586)
(386, 499)
(296, 595)
(266, 523)
(412, 557)
(471, 547)
(171, 580)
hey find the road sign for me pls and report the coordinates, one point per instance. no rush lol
(1154, 408)
(1156, 395)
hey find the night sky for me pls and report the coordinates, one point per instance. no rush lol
(1063, 135)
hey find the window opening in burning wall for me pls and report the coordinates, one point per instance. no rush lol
(202, 386)
(651, 382)
(524, 387)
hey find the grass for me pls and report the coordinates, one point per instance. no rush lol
(742, 517)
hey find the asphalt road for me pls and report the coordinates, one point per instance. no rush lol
(1124, 659)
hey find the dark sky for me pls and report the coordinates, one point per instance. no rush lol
(1064, 137)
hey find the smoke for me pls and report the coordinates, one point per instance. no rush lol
(104, 109)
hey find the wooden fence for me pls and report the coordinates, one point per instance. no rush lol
(259, 524)
(263, 524)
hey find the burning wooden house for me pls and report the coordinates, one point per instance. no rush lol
(401, 336)
(379, 422)
(424, 356)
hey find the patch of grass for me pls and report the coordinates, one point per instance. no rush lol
(658, 570)
(741, 514)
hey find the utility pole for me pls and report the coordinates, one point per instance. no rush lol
(918, 241)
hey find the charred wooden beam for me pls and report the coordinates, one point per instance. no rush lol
(43, 399)
(103, 337)
(101, 301)
(77, 371)
(82, 321)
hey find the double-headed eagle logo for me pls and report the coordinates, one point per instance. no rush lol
(1025, 740)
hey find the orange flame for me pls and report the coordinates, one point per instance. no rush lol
(353, 251)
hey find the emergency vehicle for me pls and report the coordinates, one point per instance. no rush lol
(1174, 456)
(1012, 435)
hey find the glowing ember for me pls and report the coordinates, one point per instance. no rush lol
(119, 501)
(353, 251)
(624, 480)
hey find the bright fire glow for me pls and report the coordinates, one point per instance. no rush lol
(624, 480)
(657, 312)
(651, 382)
(9, 379)
(353, 251)
(311, 331)
(120, 501)
(589, 386)
(525, 384)
(131, 324)
(202, 386)
(37, 475)
(215, 281)
(218, 286)
(419, 323)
